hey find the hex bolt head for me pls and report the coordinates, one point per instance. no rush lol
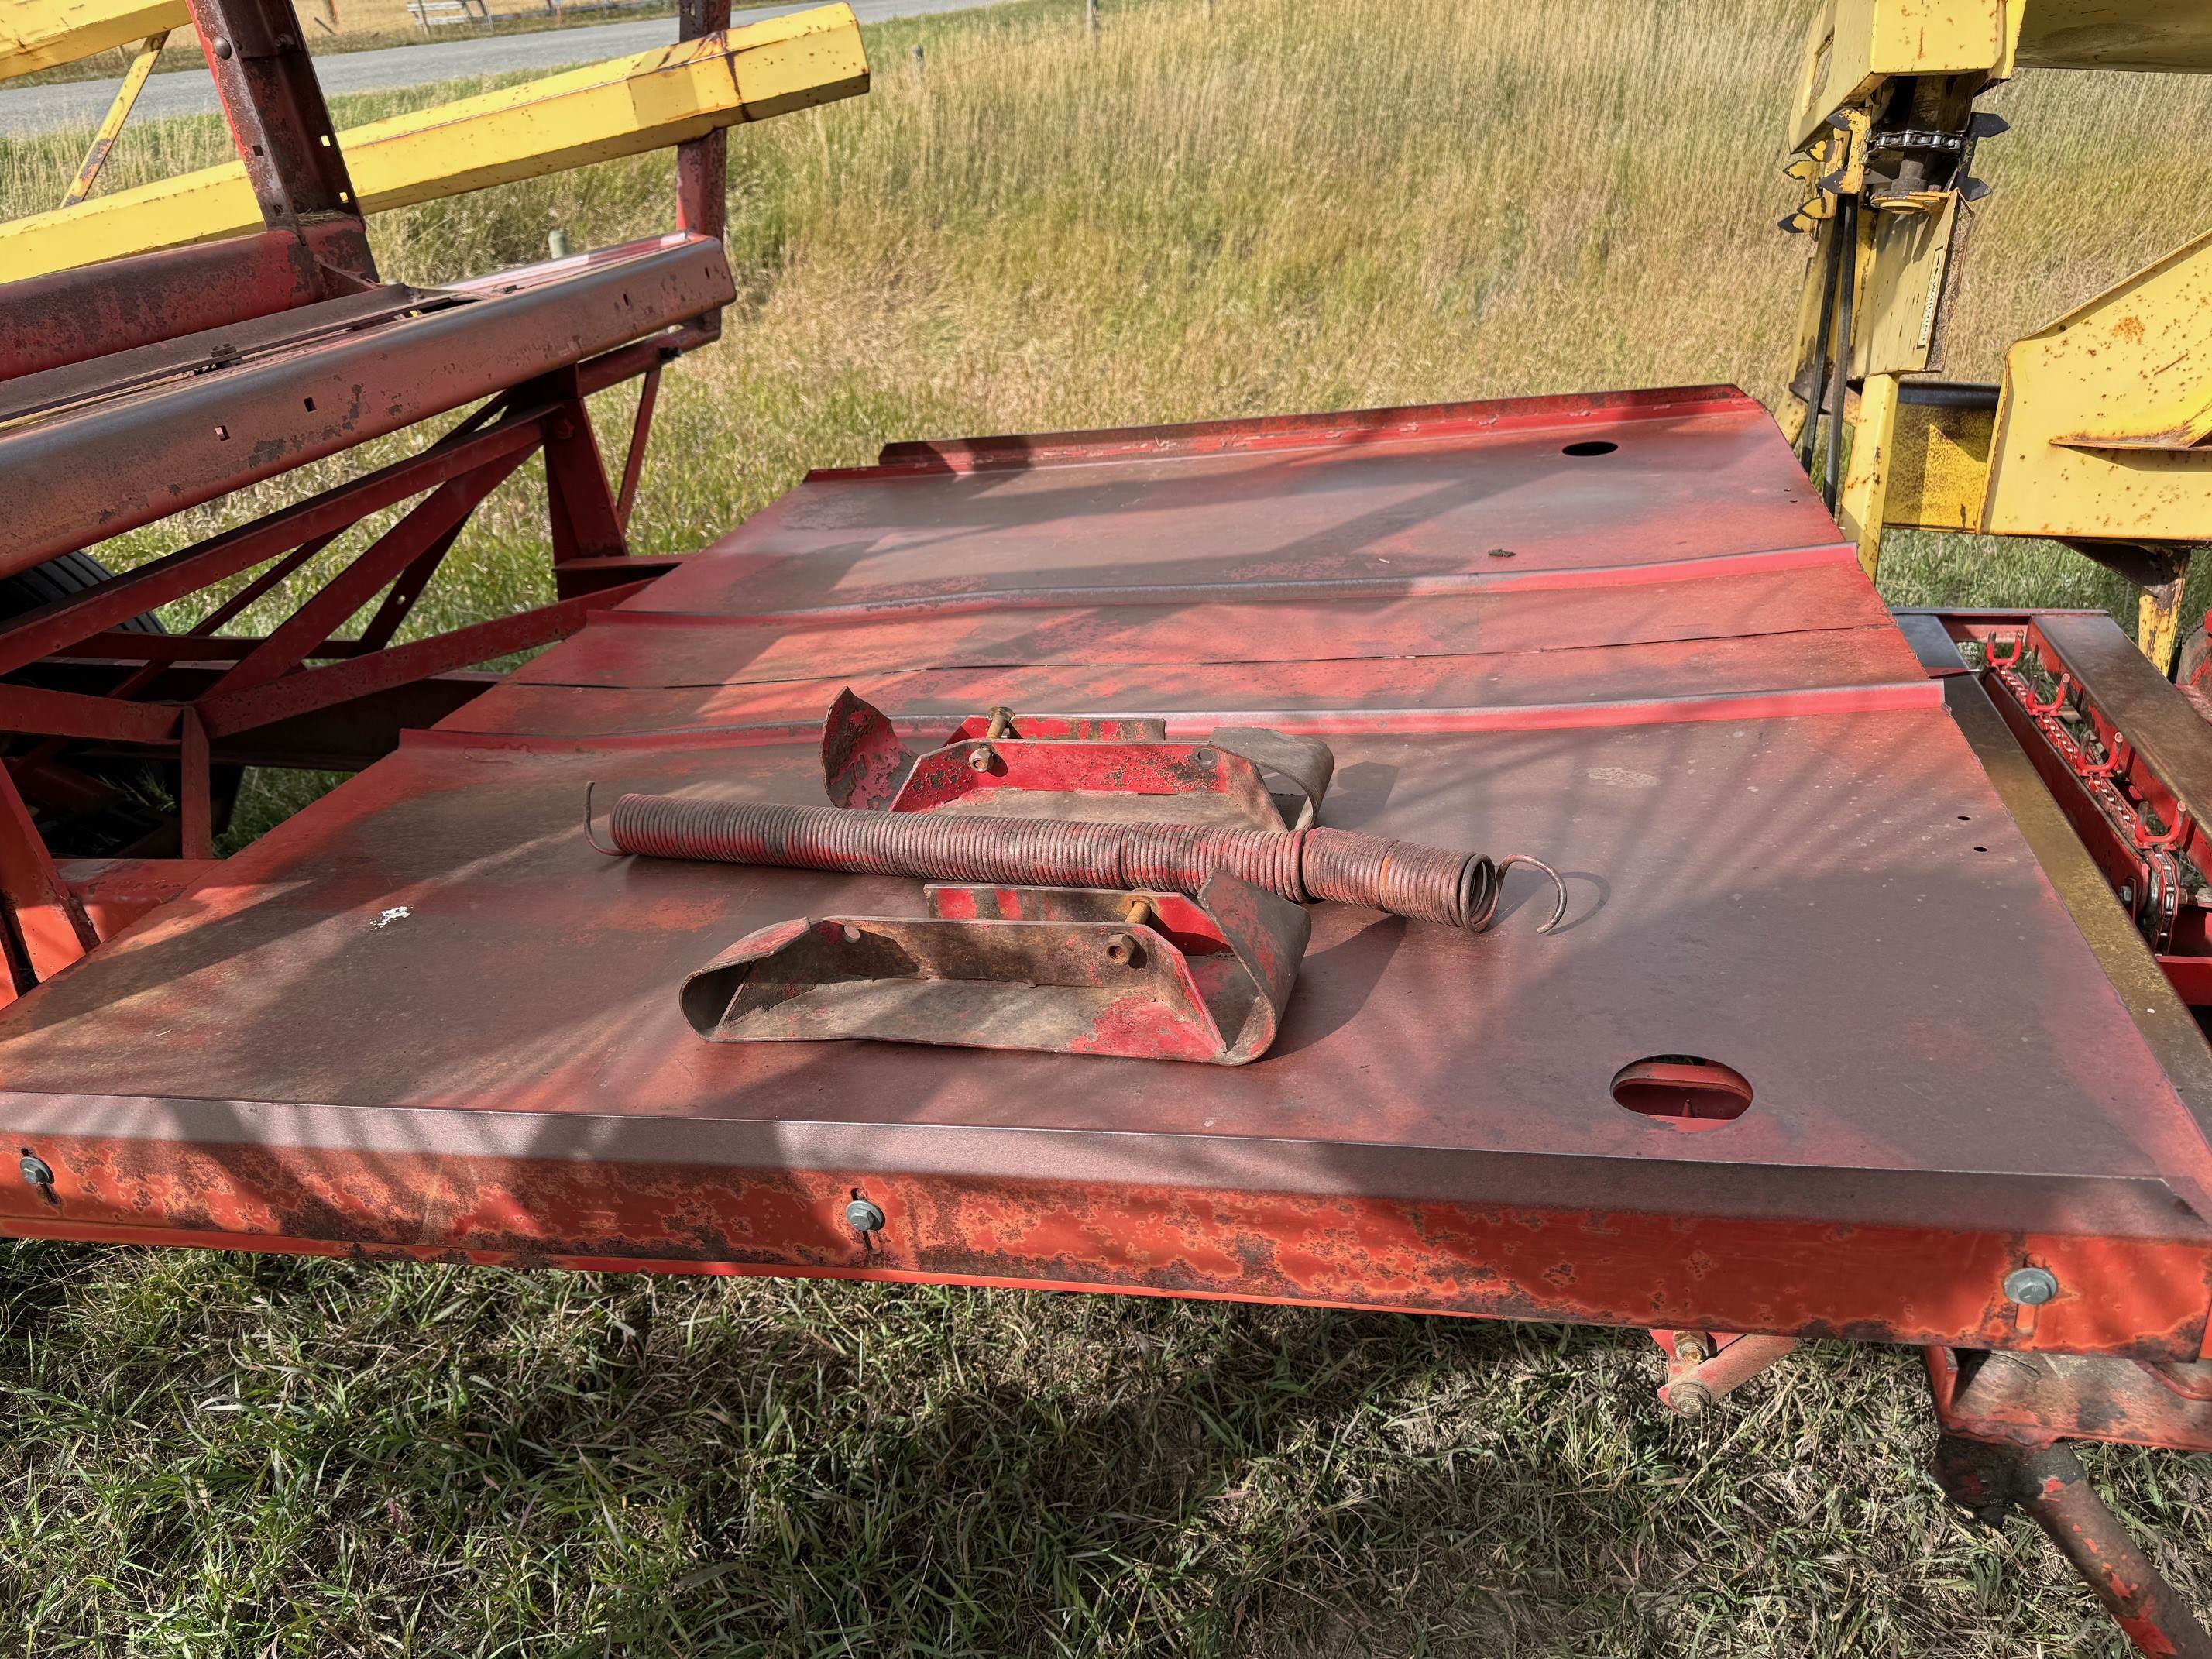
(863, 1216)
(35, 1171)
(2030, 1286)
(1120, 948)
(981, 756)
(1688, 1397)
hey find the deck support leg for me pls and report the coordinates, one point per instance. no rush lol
(195, 788)
(43, 927)
(1991, 1480)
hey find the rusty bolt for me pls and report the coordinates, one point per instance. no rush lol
(2030, 1286)
(1691, 1347)
(1136, 910)
(1002, 722)
(863, 1216)
(1121, 948)
(1688, 1396)
(36, 1173)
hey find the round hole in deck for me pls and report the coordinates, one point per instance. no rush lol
(1590, 446)
(1683, 1091)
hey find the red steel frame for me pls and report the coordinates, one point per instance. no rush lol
(113, 438)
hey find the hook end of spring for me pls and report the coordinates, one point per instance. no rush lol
(1558, 886)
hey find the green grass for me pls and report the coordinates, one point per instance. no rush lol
(1288, 205)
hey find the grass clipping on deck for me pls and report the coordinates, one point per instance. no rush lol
(1261, 205)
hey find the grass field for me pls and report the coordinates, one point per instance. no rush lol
(1261, 205)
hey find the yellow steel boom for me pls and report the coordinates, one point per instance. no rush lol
(36, 34)
(622, 107)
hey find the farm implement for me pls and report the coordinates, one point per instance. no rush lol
(1573, 895)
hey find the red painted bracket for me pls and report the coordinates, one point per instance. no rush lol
(1034, 765)
(1066, 971)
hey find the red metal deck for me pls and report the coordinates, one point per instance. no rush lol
(425, 1015)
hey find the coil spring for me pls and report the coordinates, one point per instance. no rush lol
(1404, 878)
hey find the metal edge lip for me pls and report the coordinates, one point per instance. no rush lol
(2141, 1206)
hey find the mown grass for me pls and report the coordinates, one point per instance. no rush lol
(1274, 204)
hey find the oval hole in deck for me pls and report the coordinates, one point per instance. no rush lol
(1590, 446)
(1683, 1091)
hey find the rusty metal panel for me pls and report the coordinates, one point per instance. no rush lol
(425, 1016)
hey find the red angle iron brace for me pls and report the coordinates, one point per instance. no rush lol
(1041, 954)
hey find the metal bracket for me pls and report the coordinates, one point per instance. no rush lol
(1050, 766)
(1067, 970)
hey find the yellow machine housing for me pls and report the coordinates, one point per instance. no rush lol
(2100, 433)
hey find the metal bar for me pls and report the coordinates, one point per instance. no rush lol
(1847, 232)
(640, 428)
(274, 106)
(46, 917)
(586, 525)
(406, 588)
(262, 584)
(66, 317)
(195, 790)
(1692, 1389)
(2048, 1482)
(1819, 391)
(157, 651)
(31, 710)
(701, 163)
(321, 687)
(54, 628)
(95, 472)
(445, 510)
(110, 124)
(134, 369)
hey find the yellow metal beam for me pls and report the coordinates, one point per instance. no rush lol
(1855, 45)
(2102, 430)
(2116, 35)
(36, 34)
(118, 111)
(622, 107)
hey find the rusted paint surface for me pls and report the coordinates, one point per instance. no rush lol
(1515, 1261)
(83, 474)
(2032, 1402)
(1775, 836)
(48, 322)
(1065, 971)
